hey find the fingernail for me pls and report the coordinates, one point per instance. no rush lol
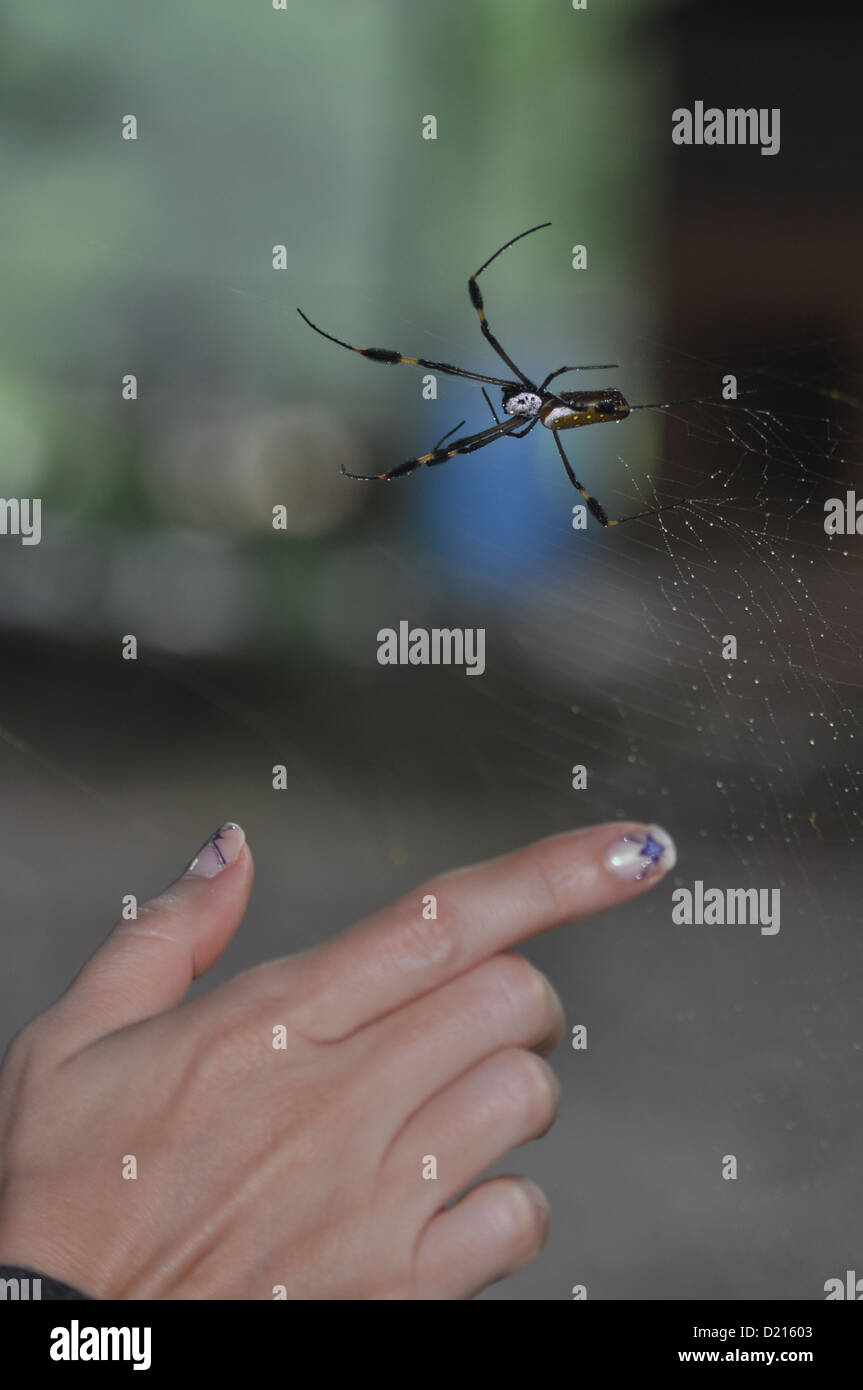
(538, 1201)
(645, 853)
(219, 851)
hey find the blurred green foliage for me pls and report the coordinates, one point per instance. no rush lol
(302, 127)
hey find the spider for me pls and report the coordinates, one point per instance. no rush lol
(524, 403)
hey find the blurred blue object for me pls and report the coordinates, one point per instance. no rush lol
(489, 517)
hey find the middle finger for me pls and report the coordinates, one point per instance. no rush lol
(421, 1047)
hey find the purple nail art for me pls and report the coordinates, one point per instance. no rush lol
(636, 856)
(651, 850)
(218, 852)
(214, 841)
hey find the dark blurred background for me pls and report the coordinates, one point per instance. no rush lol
(258, 647)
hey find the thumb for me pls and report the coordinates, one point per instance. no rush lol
(146, 966)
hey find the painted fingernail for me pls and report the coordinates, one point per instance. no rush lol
(646, 853)
(219, 851)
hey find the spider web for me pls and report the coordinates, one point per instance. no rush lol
(760, 753)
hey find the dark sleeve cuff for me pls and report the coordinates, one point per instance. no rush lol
(27, 1285)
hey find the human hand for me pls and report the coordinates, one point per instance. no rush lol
(281, 1125)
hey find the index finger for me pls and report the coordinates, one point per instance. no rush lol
(456, 920)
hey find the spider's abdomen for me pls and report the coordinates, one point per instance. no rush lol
(524, 403)
(570, 409)
(563, 417)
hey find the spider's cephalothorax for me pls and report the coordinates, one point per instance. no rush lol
(570, 409)
(525, 403)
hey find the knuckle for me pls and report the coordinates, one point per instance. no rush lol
(28, 1061)
(426, 944)
(532, 1087)
(20, 1044)
(522, 987)
(25, 1047)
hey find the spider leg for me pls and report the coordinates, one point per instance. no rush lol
(596, 508)
(596, 367)
(467, 445)
(490, 406)
(477, 302)
(448, 433)
(384, 355)
(519, 434)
